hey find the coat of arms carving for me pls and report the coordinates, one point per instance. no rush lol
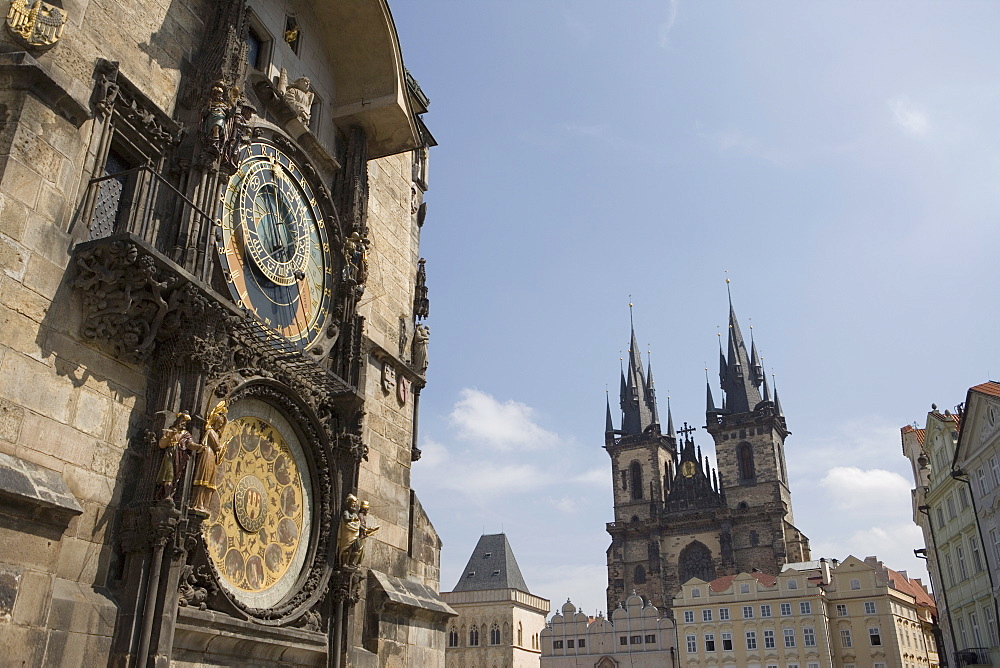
(36, 24)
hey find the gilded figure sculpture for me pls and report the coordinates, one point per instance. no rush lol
(216, 116)
(353, 532)
(209, 457)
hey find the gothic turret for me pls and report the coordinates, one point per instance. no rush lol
(638, 398)
(742, 374)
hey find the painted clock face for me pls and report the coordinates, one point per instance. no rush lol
(274, 250)
(688, 469)
(258, 530)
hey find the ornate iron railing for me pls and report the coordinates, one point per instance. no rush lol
(974, 656)
(139, 201)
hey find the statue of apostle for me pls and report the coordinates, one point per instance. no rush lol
(209, 457)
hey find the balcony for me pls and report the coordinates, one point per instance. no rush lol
(974, 656)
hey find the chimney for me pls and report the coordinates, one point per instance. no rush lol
(824, 567)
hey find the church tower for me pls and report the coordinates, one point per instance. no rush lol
(749, 430)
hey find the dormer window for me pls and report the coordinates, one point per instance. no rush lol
(471, 574)
(487, 555)
(496, 572)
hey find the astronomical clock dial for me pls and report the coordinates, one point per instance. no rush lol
(275, 251)
(688, 468)
(258, 530)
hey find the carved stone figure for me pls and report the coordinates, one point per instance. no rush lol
(354, 530)
(176, 444)
(388, 377)
(216, 115)
(209, 457)
(356, 258)
(421, 339)
(298, 95)
(237, 132)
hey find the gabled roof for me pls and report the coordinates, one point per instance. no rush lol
(492, 566)
(990, 387)
(726, 581)
(920, 433)
(906, 585)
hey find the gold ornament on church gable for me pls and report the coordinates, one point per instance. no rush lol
(35, 24)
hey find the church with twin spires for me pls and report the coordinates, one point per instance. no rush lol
(676, 517)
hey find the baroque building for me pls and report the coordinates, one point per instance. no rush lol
(499, 620)
(211, 345)
(675, 517)
(813, 614)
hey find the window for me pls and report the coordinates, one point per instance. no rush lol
(747, 612)
(754, 539)
(650, 640)
(751, 640)
(940, 516)
(692, 644)
(293, 35)
(768, 638)
(793, 584)
(949, 568)
(963, 497)
(452, 638)
(689, 616)
(636, 472)
(744, 457)
(805, 607)
(869, 608)
(991, 624)
(879, 664)
(744, 589)
(996, 471)
(789, 635)
(995, 537)
(723, 614)
(962, 568)
(709, 642)
(625, 480)
(976, 635)
(809, 636)
(473, 637)
(696, 593)
(557, 644)
(765, 611)
(981, 474)
(812, 664)
(961, 629)
(495, 635)
(520, 635)
(841, 610)
(640, 575)
(635, 640)
(977, 559)
(875, 636)
(623, 640)
(786, 609)
(855, 583)
(845, 638)
(727, 642)
(582, 642)
(950, 502)
(706, 615)
(569, 644)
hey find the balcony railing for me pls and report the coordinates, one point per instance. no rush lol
(974, 656)
(141, 202)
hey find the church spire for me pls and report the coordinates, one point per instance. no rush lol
(638, 397)
(777, 401)
(710, 408)
(609, 426)
(767, 390)
(741, 394)
(670, 422)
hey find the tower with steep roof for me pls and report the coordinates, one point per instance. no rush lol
(675, 516)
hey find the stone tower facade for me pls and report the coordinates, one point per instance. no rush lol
(677, 518)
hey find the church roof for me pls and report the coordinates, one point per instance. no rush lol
(492, 566)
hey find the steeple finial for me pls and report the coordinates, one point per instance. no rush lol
(728, 291)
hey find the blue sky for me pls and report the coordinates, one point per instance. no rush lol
(840, 160)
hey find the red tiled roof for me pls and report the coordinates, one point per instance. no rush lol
(991, 388)
(904, 584)
(919, 432)
(723, 583)
(951, 417)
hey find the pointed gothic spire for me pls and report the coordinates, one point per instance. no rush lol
(638, 397)
(608, 424)
(670, 422)
(741, 394)
(777, 402)
(756, 370)
(710, 408)
(767, 390)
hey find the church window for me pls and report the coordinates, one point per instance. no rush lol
(765, 610)
(653, 550)
(640, 575)
(692, 644)
(744, 457)
(789, 635)
(723, 614)
(809, 636)
(636, 471)
(495, 634)
(727, 642)
(805, 608)
(689, 616)
(696, 562)
(706, 615)
(474, 637)
(452, 638)
(754, 539)
(743, 505)
(709, 642)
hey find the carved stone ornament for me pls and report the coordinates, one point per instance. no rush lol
(36, 25)
(196, 586)
(421, 340)
(403, 390)
(388, 377)
(298, 95)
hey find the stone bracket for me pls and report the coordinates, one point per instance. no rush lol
(20, 70)
(35, 492)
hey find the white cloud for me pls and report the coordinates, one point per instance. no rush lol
(601, 476)
(432, 453)
(583, 583)
(908, 117)
(508, 425)
(893, 544)
(668, 24)
(564, 504)
(851, 488)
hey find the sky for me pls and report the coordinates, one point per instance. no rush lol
(840, 160)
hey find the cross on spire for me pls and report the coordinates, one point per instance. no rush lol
(686, 431)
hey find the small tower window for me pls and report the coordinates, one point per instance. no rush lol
(473, 637)
(452, 638)
(495, 634)
(640, 575)
(636, 470)
(744, 456)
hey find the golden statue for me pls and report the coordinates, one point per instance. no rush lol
(209, 457)
(176, 443)
(353, 532)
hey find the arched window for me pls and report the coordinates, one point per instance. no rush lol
(695, 561)
(495, 634)
(744, 457)
(654, 556)
(640, 575)
(452, 637)
(636, 470)
(754, 539)
(520, 635)
(474, 637)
